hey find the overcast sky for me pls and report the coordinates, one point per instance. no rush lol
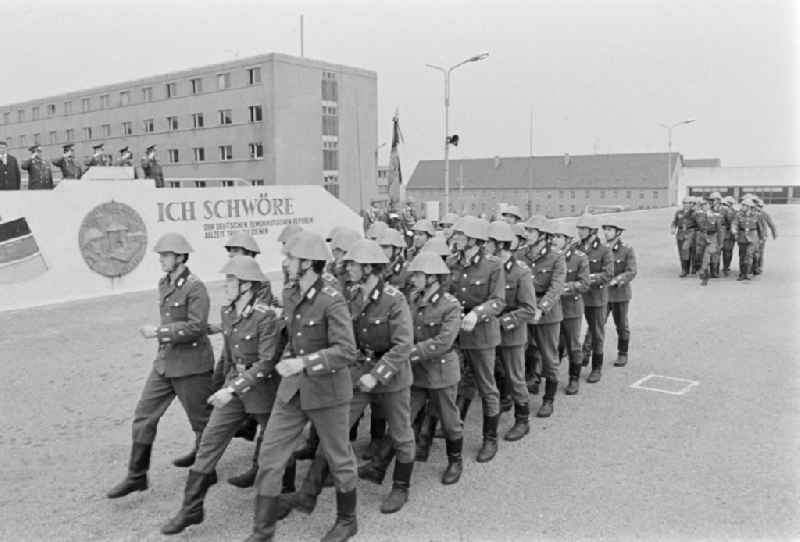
(599, 75)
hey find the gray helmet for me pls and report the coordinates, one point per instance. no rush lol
(244, 268)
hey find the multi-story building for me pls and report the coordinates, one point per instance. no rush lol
(773, 184)
(269, 119)
(551, 185)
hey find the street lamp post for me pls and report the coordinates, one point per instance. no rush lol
(669, 128)
(446, 72)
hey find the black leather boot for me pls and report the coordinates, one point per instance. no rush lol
(248, 478)
(575, 367)
(191, 512)
(704, 278)
(264, 520)
(550, 388)
(489, 447)
(401, 481)
(188, 459)
(622, 353)
(597, 368)
(375, 471)
(305, 500)
(455, 462)
(136, 480)
(346, 525)
(684, 268)
(309, 450)
(521, 426)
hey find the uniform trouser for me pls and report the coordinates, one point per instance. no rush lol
(619, 311)
(685, 246)
(547, 342)
(758, 255)
(708, 252)
(533, 358)
(727, 253)
(396, 407)
(466, 386)
(482, 364)
(158, 393)
(571, 333)
(595, 329)
(513, 359)
(219, 432)
(746, 254)
(285, 429)
(444, 401)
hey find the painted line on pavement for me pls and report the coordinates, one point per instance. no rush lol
(688, 384)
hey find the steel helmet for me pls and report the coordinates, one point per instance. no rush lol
(548, 226)
(688, 199)
(425, 226)
(437, 245)
(344, 238)
(562, 228)
(459, 224)
(519, 230)
(715, 195)
(758, 201)
(611, 222)
(173, 242)
(449, 219)
(512, 210)
(428, 263)
(477, 228)
(377, 229)
(534, 222)
(288, 231)
(730, 200)
(500, 230)
(588, 221)
(242, 240)
(366, 251)
(392, 238)
(307, 245)
(244, 268)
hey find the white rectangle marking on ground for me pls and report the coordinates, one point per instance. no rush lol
(670, 383)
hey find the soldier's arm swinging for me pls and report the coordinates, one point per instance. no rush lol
(196, 323)
(401, 339)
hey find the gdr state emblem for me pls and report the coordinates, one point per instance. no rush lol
(112, 239)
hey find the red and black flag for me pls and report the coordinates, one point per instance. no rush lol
(20, 258)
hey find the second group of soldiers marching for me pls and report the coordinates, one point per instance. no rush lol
(471, 308)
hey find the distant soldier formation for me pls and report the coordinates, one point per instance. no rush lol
(410, 321)
(706, 229)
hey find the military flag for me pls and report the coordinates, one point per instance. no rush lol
(20, 258)
(397, 190)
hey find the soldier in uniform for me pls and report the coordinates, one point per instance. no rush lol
(511, 214)
(423, 231)
(9, 169)
(183, 365)
(535, 242)
(151, 168)
(126, 160)
(708, 239)
(478, 282)
(446, 225)
(250, 351)
(40, 177)
(725, 208)
(437, 320)
(683, 228)
(623, 271)
(747, 230)
(575, 284)
(393, 245)
(766, 222)
(595, 299)
(519, 310)
(99, 158)
(70, 169)
(315, 386)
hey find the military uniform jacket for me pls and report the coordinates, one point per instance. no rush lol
(250, 352)
(576, 283)
(623, 271)
(520, 303)
(684, 223)
(479, 285)
(765, 221)
(600, 270)
(183, 345)
(746, 227)
(384, 337)
(70, 168)
(152, 170)
(711, 226)
(437, 321)
(528, 253)
(397, 275)
(9, 174)
(549, 272)
(39, 175)
(99, 160)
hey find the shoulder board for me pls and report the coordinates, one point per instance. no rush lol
(391, 290)
(191, 279)
(450, 297)
(522, 263)
(492, 258)
(261, 307)
(330, 290)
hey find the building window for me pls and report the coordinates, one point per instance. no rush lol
(51, 109)
(104, 101)
(22, 140)
(172, 155)
(549, 195)
(602, 194)
(330, 121)
(53, 137)
(20, 115)
(106, 130)
(226, 152)
(149, 125)
(331, 184)
(223, 81)
(200, 184)
(655, 194)
(87, 133)
(199, 154)
(560, 208)
(225, 116)
(641, 195)
(628, 194)
(124, 98)
(572, 209)
(35, 113)
(253, 76)
(615, 194)
(67, 108)
(560, 194)
(86, 104)
(588, 194)
(172, 123)
(330, 91)
(197, 120)
(257, 182)
(330, 156)
(7, 117)
(256, 151)
(147, 94)
(36, 139)
(69, 135)
(171, 90)
(255, 113)
(127, 128)
(571, 194)
(197, 85)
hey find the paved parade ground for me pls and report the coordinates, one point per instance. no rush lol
(715, 459)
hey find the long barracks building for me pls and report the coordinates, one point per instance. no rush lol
(268, 119)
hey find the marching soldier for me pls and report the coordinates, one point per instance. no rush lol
(623, 271)
(423, 231)
(766, 222)
(250, 351)
(99, 158)
(183, 365)
(316, 386)
(446, 224)
(511, 214)
(595, 299)
(151, 168)
(393, 246)
(683, 228)
(708, 239)
(535, 241)
(70, 169)
(40, 177)
(575, 284)
(747, 230)
(478, 282)
(726, 209)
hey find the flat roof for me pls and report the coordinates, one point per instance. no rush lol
(741, 176)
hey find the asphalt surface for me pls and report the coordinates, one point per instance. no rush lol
(719, 462)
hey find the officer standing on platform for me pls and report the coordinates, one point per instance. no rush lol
(183, 365)
(151, 168)
(70, 169)
(316, 386)
(99, 158)
(40, 177)
(126, 160)
(623, 271)
(683, 228)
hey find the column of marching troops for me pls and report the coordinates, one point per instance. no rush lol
(704, 229)
(415, 330)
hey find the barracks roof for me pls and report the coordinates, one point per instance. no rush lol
(641, 170)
